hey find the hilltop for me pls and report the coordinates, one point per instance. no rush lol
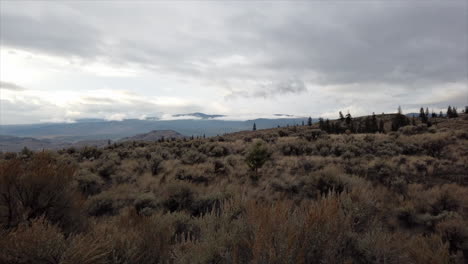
(154, 135)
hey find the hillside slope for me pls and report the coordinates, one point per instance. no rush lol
(285, 195)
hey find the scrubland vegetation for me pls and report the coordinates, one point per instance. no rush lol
(287, 195)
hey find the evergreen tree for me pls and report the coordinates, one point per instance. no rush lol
(254, 128)
(333, 128)
(422, 115)
(449, 112)
(454, 112)
(341, 116)
(441, 114)
(381, 126)
(257, 156)
(321, 123)
(427, 113)
(434, 115)
(309, 121)
(302, 122)
(466, 109)
(367, 126)
(399, 120)
(352, 128)
(374, 124)
(327, 126)
(348, 119)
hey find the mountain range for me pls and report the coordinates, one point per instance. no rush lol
(98, 132)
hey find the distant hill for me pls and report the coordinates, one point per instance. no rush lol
(115, 130)
(198, 115)
(97, 132)
(15, 144)
(154, 136)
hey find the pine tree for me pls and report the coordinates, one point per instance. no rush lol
(309, 121)
(375, 125)
(254, 128)
(441, 114)
(434, 115)
(454, 112)
(257, 156)
(302, 122)
(333, 128)
(449, 112)
(348, 118)
(381, 126)
(341, 116)
(427, 113)
(321, 123)
(422, 115)
(327, 126)
(399, 120)
(367, 126)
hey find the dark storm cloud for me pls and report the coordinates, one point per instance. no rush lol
(11, 86)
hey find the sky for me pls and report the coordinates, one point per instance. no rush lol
(62, 61)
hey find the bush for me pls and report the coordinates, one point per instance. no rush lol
(193, 157)
(413, 130)
(38, 187)
(89, 183)
(90, 153)
(178, 197)
(155, 164)
(37, 242)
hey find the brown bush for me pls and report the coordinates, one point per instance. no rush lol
(36, 242)
(39, 187)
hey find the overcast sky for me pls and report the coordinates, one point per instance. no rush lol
(61, 61)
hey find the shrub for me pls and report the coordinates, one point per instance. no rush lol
(90, 153)
(89, 183)
(87, 248)
(145, 204)
(178, 197)
(98, 206)
(192, 157)
(36, 242)
(137, 239)
(413, 130)
(155, 164)
(38, 187)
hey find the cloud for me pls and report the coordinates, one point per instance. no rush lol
(36, 106)
(11, 86)
(303, 56)
(271, 89)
